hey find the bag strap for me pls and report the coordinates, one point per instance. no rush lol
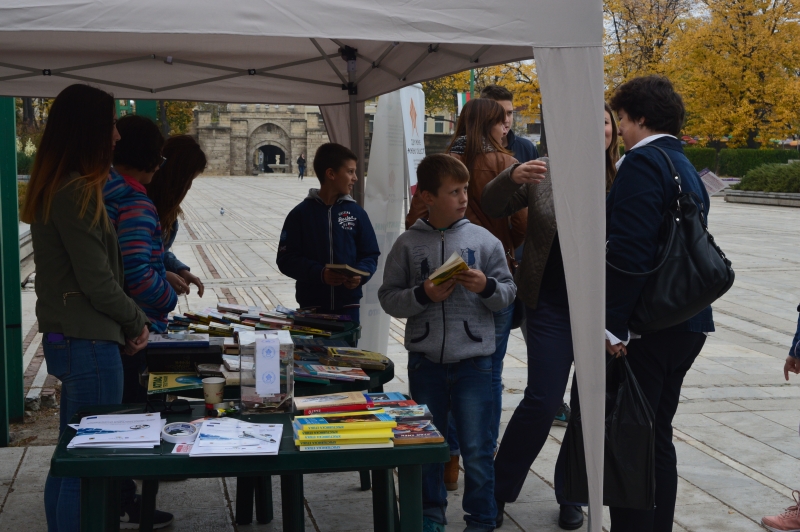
(676, 177)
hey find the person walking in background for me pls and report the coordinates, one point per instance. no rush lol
(185, 161)
(650, 113)
(542, 287)
(301, 166)
(450, 333)
(81, 305)
(478, 144)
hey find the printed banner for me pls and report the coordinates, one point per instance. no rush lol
(398, 144)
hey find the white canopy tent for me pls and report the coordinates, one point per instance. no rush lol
(339, 53)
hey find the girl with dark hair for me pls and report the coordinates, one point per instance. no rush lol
(81, 305)
(136, 160)
(185, 160)
(543, 288)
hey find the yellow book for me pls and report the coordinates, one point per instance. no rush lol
(446, 271)
(356, 441)
(368, 434)
(345, 421)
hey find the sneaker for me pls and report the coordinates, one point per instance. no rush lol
(500, 517)
(429, 525)
(788, 521)
(562, 416)
(570, 517)
(130, 516)
(451, 474)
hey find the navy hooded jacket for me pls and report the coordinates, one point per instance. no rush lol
(522, 148)
(315, 234)
(635, 206)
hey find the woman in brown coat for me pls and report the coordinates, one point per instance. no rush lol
(478, 144)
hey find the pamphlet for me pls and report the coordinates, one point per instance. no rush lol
(229, 436)
(712, 183)
(268, 367)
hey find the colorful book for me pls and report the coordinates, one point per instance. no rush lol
(173, 382)
(175, 340)
(446, 271)
(343, 447)
(402, 414)
(382, 398)
(331, 372)
(416, 432)
(331, 400)
(346, 421)
(351, 357)
(349, 271)
(344, 435)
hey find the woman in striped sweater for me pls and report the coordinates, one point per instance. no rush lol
(137, 156)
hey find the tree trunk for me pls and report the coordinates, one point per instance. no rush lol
(28, 115)
(162, 116)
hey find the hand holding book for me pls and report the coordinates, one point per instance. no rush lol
(472, 280)
(438, 293)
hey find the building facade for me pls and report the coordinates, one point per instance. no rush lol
(255, 139)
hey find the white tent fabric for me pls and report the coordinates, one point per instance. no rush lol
(268, 51)
(579, 190)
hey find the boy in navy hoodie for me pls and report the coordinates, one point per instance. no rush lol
(329, 227)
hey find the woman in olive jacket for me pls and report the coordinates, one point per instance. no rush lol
(83, 312)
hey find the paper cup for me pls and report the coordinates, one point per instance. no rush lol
(212, 389)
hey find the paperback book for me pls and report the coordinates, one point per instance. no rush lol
(173, 382)
(358, 358)
(446, 271)
(176, 340)
(330, 446)
(416, 432)
(349, 271)
(331, 400)
(338, 373)
(402, 414)
(345, 421)
(384, 399)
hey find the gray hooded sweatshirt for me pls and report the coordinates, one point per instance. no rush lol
(461, 326)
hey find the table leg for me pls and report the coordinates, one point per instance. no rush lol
(410, 478)
(264, 513)
(294, 518)
(99, 505)
(365, 483)
(245, 486)
(148, 510)
(383, 500)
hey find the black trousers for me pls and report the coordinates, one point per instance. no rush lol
(660, 361)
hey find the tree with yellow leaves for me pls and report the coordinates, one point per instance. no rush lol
(519, 77)
(737, 66)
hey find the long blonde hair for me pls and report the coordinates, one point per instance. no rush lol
(77, 138)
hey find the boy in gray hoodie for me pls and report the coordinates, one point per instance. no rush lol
(450, 332)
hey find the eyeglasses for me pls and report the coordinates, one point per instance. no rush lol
(178, 406)
(163, 162)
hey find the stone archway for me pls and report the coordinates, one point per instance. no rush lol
(265, 142)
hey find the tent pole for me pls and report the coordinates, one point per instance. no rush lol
(8, 151)
(350, 54)
(12, 295)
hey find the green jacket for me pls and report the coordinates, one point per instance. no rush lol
(79, 273)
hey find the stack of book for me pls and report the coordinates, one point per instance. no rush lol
(367, 429)
(177, 361)
(121, 431)
(356, 420)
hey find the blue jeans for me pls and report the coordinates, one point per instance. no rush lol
(502, 329)
(550, 358)
(463, 388)
(90, 372)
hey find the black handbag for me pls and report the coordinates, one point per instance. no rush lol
(692, 274)
(629, 477)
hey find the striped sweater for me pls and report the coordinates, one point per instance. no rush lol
(135, 218)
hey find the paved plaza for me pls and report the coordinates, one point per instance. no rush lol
(736, 430)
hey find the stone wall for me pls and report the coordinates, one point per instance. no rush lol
(231, 145)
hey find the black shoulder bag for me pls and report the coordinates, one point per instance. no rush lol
(692, 274)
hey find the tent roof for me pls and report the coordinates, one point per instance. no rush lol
(270, 51)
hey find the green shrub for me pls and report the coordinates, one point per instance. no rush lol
(702, 158)
(24, 163)
(737, 162)
(772, 178)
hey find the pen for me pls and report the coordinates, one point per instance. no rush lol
(258, 437)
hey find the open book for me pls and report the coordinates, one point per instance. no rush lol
(452, 266)
(344, 269)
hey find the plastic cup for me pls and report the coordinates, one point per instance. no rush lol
(212, 390)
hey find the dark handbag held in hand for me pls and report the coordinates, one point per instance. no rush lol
(692, 273)
(629, 476)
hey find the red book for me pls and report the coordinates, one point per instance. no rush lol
(335, 409)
